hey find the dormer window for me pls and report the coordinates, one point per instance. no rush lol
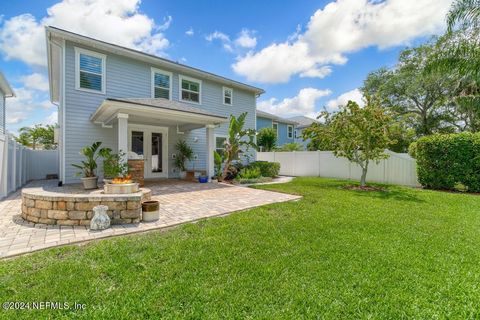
(161, 84)
(227, 96)
(90, 71)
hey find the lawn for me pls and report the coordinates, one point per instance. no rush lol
(334, 254)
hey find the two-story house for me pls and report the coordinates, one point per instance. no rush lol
(138, 103)
(5, 92)
(285, 128)
(303, 123)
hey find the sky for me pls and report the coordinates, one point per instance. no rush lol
(307, 55)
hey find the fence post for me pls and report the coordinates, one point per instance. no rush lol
(14, 165)
(294, 163)
(4, 168)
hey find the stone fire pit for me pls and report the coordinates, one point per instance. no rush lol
(120, 188)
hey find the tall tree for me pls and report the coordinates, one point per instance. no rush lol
(267, 139)
(37, 135)
(359, 134)
(417, 94)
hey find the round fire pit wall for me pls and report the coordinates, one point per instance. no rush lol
(120, 188)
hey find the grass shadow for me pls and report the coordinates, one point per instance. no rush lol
(389, 194)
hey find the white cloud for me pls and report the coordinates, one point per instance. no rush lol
(121, 22)
(353, 95)
(24, 104)
(342, 27)
(246, 39)
(304, 103)
(190, 32)
(36, 81)
(52, 118)
(217, 35)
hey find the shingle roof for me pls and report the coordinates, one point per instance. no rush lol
(267, 115)
(303, 121)
(166, 104)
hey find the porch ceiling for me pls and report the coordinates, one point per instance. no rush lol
(161, 112)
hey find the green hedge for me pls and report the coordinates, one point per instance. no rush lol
(446, 160)
(267, 169)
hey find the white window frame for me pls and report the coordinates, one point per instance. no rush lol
(166, 73)
(219, 136)
(231, 96)
(288, 131)
(273, 123)
(182, 77)
(79, 51)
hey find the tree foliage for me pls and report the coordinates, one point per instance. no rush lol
(292, 146)
(36, 136)
(359, 134)
(317, 136)
(267, 139)
(238, 141)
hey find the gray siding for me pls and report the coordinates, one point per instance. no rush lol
(128, 78)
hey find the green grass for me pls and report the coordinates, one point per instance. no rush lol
(401, 253)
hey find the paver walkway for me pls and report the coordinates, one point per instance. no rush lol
(180, 202)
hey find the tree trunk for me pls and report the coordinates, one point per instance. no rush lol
(364, 177)
(225, 169)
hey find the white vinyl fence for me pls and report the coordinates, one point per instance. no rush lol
(399, 168)
(18, 164)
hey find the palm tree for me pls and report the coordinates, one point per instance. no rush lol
(38, 134)
(465, 13)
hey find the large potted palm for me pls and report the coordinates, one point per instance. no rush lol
(88, 166)
(184, 153)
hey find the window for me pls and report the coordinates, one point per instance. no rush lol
(161, 84)
(220, 144)
(275, 127)
(227, 96)
(290, 131)
(90, 71)
(190, 89)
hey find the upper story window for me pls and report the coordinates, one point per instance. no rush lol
(275, 127)
(190, 89)
(290, 131)
(90, 71)
(227, 96)
(161, 84)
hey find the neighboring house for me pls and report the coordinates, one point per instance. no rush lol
(140, 103)
(5, 92)
(285, 128)
(303, 122)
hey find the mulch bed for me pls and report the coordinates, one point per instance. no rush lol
(359, 188)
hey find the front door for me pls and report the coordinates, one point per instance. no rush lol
(151, 143)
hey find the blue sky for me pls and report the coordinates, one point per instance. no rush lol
(306, 54)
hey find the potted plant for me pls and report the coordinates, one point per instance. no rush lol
(184, 153)
(88, 167)
(112, 165)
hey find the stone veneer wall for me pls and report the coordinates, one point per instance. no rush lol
(75, 209)
(136, 168)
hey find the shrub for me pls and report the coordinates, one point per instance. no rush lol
(267, 169)
(412, 149)
(267, 139)
(249, 173)
(293, 146)
(446, 160)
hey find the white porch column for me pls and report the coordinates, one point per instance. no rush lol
(123, 135)
(210, 148)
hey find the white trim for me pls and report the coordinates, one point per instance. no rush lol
(231, 96)
(166, 73)
(288, 133)
(182, 77)
(62, 178)
(79, 51)
(274, 122)
(147, 134)
(219, 136)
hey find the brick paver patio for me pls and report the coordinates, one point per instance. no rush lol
(180, 202)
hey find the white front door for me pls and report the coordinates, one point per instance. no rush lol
(151, 143)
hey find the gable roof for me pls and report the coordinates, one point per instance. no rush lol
(5, 87)
(303, 121)
(276, 118)
(57, 33)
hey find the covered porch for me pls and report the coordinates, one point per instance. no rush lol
(148, 129)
